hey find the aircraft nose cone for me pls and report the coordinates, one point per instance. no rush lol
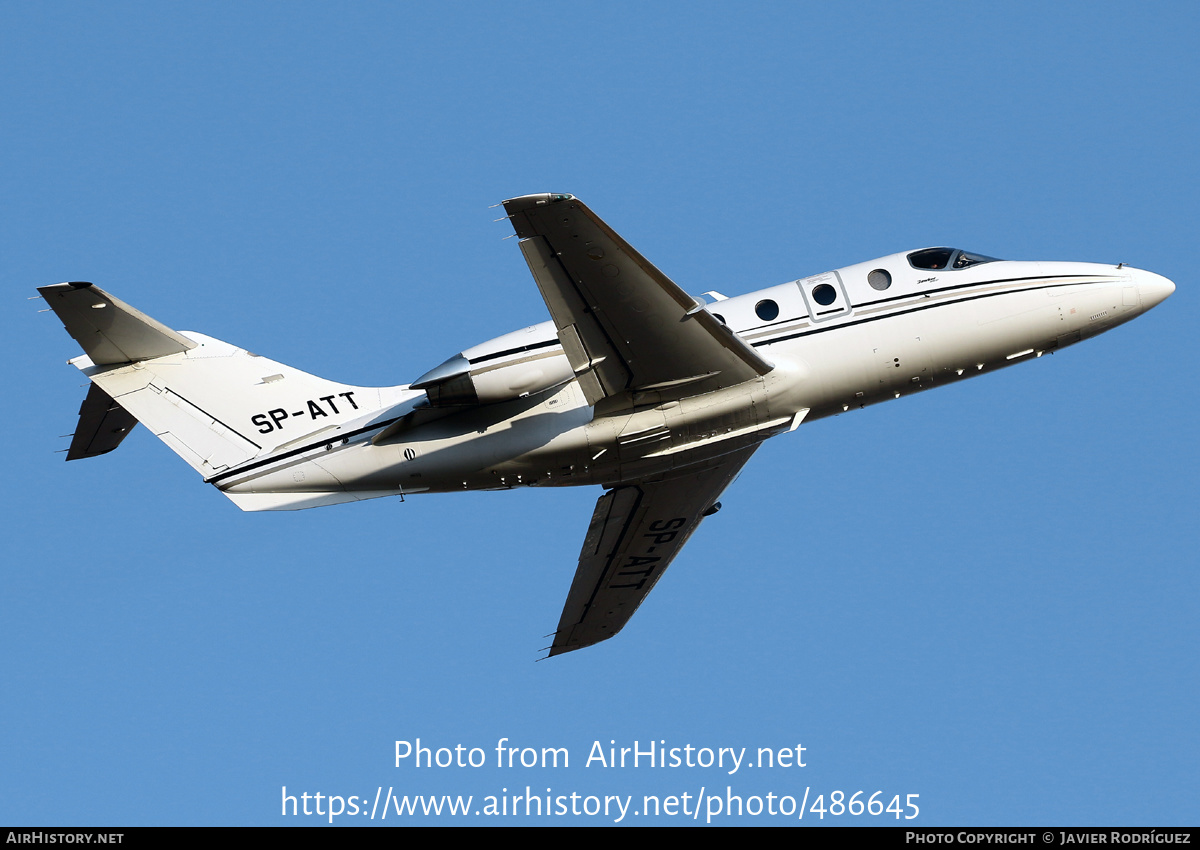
(1154, 288)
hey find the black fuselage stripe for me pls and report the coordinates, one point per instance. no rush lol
(509, 351)
(294, 452)
(975, 284)
(289, 454)
(917, 309)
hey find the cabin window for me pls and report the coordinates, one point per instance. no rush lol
(879, 279)
(767, 310)
(824, 294)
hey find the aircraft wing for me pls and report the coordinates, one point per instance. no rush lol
(623, 324)
(636, 531)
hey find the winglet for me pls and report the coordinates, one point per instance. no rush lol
(515, 206)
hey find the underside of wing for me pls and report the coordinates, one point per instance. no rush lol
(624, 325)
(636, 530)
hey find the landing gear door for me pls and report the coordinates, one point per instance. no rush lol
(825, 296)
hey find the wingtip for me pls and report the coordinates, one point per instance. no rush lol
(523, 201)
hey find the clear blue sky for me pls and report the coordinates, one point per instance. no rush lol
(986, 595)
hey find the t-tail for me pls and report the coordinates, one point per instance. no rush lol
(217, 406)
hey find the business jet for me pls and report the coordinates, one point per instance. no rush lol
(634, 385)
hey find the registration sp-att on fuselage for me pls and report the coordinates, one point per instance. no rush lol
(635, 385)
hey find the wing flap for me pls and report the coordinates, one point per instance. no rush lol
(635, 532)
(599, 374)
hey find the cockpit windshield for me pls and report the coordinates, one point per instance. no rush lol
(931, 258)
(966, 258)
(946, 258)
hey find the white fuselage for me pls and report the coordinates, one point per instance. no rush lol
(837, 342)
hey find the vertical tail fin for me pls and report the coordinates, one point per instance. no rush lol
(216, 405)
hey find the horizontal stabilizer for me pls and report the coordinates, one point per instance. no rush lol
(103, 424)
(215, 405)
(108, 329)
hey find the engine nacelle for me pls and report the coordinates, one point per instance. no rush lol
(502, 369)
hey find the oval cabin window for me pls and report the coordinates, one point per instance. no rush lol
(824, 294)
(879, 279)
(766, 310)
